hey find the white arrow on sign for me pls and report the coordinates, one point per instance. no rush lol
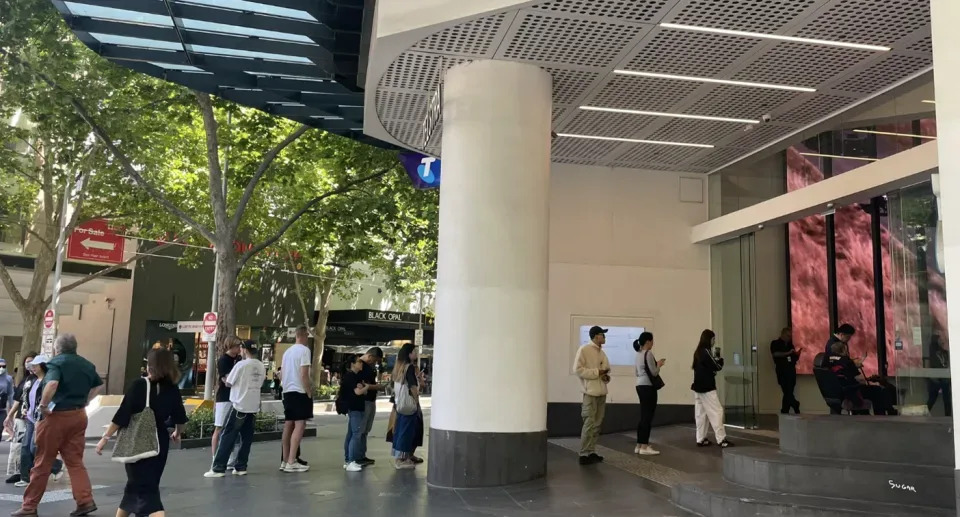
(97, 245)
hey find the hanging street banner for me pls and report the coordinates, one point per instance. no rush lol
(94, 241)
(423, 170)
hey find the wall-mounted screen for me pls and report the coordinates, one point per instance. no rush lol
(619, 347)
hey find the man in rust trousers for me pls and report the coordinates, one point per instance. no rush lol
(71, 382)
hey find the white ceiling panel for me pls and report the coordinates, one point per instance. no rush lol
(582, 42)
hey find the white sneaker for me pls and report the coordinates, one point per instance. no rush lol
(636, 450)
(354, 467)
(283, 465)
(212, 474)
(21, 484)
(649, 452)
(404, 464)
(239, 472)
(296, 468)
(56, 477)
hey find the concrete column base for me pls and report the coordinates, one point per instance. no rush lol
(460, 459)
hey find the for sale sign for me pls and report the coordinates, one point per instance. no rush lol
(94, 241)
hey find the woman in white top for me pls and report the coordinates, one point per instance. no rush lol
(646, 366)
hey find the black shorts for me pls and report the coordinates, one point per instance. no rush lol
(297, 406)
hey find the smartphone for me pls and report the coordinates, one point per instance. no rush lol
(716, 352)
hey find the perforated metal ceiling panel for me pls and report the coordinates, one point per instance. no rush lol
(582, 42)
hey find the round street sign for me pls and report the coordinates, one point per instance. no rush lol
(48, 319)
(210, 323)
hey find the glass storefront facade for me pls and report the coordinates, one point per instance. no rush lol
(872, 264)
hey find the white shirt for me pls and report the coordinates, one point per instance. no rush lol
(245, 380)
(294, 358)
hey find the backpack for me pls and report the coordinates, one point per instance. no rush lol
(339, 403)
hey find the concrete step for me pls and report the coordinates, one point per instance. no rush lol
(715, 497)
(768, 469)
(891, 439)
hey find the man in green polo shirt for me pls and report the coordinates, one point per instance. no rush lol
(71, 382)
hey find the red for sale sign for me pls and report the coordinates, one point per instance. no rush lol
(94, 241)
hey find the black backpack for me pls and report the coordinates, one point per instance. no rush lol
(340, 403)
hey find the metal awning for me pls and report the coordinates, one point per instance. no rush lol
(289, 58)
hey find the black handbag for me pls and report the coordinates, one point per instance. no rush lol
(655, 380)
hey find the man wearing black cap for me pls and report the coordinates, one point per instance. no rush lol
(593, 369)
(245, 381)
(368, 376)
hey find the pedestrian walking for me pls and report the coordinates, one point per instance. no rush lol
(28, 450)
(245, 382)
(141, 495)
(71, 382)
(14, 423)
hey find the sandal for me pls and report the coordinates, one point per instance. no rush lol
(724, 444)
(704, 443)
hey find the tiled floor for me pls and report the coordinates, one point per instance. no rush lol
(611, 489)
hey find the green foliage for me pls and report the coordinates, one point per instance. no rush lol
(200, 424)
(327, 392)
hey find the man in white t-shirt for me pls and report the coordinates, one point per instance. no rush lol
(245, 382)
(297, 402)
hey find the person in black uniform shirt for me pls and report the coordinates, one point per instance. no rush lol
(939, 358)
(785, 357)
(141, 495)
(842, 335)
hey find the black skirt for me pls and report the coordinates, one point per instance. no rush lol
(141, 495)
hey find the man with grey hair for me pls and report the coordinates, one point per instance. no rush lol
(71, 382)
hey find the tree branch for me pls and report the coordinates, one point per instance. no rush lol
(306, 208)
(26, 227)
(12, 290)
(217, 195)
(111, 269)
(124, 160)
(268, 160)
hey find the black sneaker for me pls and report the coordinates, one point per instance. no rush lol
(596, 458)
(365, 462)
(587, 460)
(13, 479)
(303, 462)
(724, 444)
(704, 443)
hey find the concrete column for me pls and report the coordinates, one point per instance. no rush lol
(488, 423)
(945, 15)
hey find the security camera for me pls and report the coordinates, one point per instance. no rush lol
(765, 118)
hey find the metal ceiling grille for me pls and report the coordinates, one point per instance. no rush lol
(582, 42)
(291, 58)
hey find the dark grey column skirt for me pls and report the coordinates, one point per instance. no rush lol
(460, 459)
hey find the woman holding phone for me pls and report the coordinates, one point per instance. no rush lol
(707, 406)
(648, 382)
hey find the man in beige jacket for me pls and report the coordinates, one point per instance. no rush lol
(593, 369)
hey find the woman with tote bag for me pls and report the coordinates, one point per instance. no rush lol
(406, 406)
(159, 394)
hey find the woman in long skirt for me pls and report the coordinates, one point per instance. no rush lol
(405, 429)
(141, 495)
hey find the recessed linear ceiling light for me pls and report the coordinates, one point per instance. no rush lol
(794, 39)
(716, 81)
(860, 158)
(888, 133)
(927, 101)
(634, 141)
(674, 115)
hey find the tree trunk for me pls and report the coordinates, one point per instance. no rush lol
(228, 273)
(320, 329)
(32, 321)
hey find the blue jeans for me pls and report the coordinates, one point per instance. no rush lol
(238, 425)
(353, 444)
(28, 450)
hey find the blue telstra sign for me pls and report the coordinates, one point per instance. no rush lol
(424, 171)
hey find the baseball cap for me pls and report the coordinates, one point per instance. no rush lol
(249, 345)
(597, 330)
(40, 359)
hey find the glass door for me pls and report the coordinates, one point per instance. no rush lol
(733, 268)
